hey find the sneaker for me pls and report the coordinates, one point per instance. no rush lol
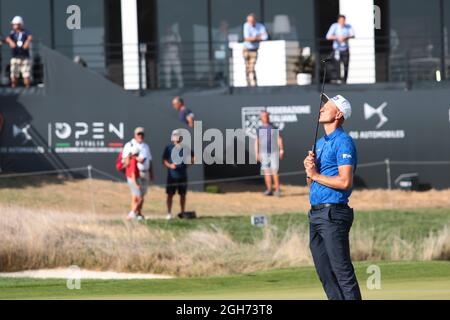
(140, 217)
(277, 193)
(169, 216)
(132, 215)
(268, 193)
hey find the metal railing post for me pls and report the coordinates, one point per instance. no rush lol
(91, 191)
(442, 40)
(408, 72)
(388, 173)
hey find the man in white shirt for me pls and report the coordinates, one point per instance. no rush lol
(144, 164)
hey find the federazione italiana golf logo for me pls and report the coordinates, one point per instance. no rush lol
(86, 137)
(279, 116)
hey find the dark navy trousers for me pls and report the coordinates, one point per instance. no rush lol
(329, 244)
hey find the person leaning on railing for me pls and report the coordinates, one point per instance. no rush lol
(254, 33)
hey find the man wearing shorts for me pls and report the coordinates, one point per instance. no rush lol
(20, 40)
(144, 161)
(269, 154)
(174, 159)
(134, 181)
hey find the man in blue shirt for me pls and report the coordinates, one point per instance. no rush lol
(330, 177)
(254, 33)
(175, 159)
(340, 32)
(186, 116)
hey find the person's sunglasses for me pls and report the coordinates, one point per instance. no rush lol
(140, 134)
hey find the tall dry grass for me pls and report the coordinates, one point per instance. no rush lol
(32, 239)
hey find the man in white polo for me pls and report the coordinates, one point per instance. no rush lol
(144, 162)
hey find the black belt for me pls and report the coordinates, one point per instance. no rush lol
(329, 205)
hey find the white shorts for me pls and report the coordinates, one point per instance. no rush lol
(143, 187)
(20, 66)
(269, 161)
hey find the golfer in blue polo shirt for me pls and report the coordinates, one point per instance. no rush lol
(330, 177)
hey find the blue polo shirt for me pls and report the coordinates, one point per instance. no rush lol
(19, 39)
(333, 150)
(253, 31)
(184, 114)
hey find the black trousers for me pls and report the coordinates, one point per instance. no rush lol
(329, 244)
(344, 59)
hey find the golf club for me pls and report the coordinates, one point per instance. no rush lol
(324, 64)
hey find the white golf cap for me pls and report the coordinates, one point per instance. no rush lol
(17, 20)
(139, 130)
(175, 136)
(343, 105)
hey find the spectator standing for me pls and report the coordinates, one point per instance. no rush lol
(340, 32)
(171, 42)
(254, 33)
(269, 150)
(186, 116)
(20, 40)
(144, 162)
(134, 182)
(175, 160)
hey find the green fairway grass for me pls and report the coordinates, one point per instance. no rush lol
(399, 280)
(409, 225)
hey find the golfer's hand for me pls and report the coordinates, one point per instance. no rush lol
(173, 166)
(281, 154)
(311, 171)
(310, 165)
(310, 160)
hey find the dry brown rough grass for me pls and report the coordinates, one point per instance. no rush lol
(35, 239)
(111, 198)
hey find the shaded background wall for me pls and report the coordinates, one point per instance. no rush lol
(418, 120)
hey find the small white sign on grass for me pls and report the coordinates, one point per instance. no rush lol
(259, 220)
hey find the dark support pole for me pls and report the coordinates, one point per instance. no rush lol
(52, 24)
(210, 45)
(442, 30)
(262, 11)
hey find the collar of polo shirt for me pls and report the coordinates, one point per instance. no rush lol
(334, 134)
